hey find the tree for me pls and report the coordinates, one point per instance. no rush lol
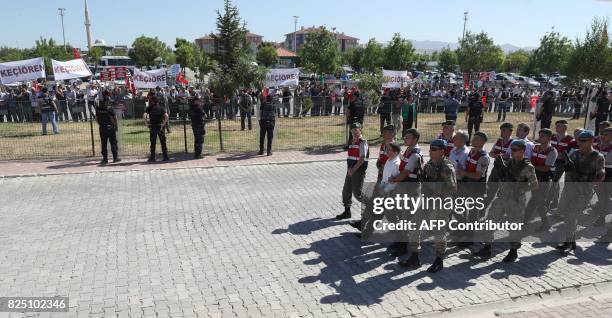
(49, 49)
(399, 54)
(478, 52)
(8, 54)
(320, 53)
(516, 61)
(352, 57)
(372, 57)
(205, 64)
(230, 37)
(551, 56)
(592, 58)
(186, 53)
(447, 60)
(266, 55)
(146, 49)
(420, 61)
(120, 51)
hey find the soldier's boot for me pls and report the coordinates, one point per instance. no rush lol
(566, 247)
(356, 225)
(485, 252)
(512, 256)
(437, 265)
(344, 215)
(116, 159)
(104, 161)
(412, 262)
(151, 159)
(400, 250)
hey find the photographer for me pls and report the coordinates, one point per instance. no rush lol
(48, 111)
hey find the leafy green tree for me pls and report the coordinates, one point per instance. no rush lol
(420, 61)
(399, 54)
(478, 52)
(552, 55)
(516, 61)
(320, 53)
(205, 64)
(592, 57)
(352, 57)
(146, 49)
(8, 54)
(266, 55)
(230, 37)
(447, 60)
(49, 49)
(373, 56)
(370, 84)
(186, 53)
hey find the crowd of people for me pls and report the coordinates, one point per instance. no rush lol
(518, 166)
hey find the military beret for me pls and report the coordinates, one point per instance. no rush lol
(586, 134)
(413, 132)
(481, 135)
(389, 128)
(519, 143)
(355, 125)
(438, 143)
(561, 121)
(449, 123)
(506, 126)
(545, 131)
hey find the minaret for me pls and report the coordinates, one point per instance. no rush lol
(87, 27)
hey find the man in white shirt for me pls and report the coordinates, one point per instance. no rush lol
(458, 156)
(391, 169)
(522, 131)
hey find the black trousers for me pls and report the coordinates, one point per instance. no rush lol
(245, 116)
(385, 118)
(473, 124)
(108, 134)
(198, 138)
(155, 132)
(545, 121)
(266, 127)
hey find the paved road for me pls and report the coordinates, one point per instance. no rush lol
(238, 241)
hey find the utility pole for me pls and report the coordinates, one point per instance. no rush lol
(61, 12)
(295, 21)
(465, 18)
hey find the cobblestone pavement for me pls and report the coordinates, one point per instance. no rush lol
(240, 241)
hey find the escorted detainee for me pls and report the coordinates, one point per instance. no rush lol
(543, 159)
(357, 164)
(196, 115)
(447, 134)
(383, 153)
(156, 118)
(105, 116)
(585, 169)
(562, 141)
(439, 180)
(516, 176)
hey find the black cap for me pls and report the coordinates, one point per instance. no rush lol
(449, 123)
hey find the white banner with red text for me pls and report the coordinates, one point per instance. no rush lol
(395, 79)
(282, 77)
(20, 71)
(150, 79)
(70, 69)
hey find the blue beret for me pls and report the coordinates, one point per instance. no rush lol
(438, 143)
(586, 134)
(519, 143)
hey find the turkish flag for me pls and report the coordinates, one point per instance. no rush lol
(76, 53)
(181, 79)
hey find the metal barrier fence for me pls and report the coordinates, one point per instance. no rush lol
(303, 123)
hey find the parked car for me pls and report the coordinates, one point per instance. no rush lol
(527, 81)
(505, 80)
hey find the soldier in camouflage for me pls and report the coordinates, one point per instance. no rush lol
(439, 180)
(584, 165)
(516, 176)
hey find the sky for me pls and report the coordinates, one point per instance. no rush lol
(518, 22)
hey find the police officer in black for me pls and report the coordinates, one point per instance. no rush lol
(105, 116)
(355, 113)
(196, 114)
(473, 115)
(266, 122)
(156, 118)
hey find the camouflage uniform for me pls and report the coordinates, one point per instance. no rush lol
(439, 181)
(576, 194)
(516, 178)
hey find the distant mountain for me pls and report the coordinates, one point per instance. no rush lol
(431, 46)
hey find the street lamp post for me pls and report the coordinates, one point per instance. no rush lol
(61, 12)
(295, 21)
